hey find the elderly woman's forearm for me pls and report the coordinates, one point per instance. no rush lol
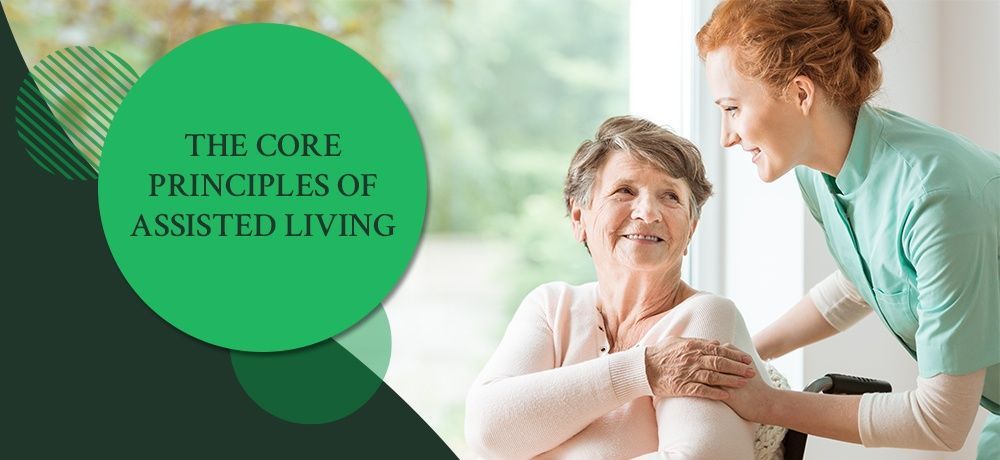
(526, 415)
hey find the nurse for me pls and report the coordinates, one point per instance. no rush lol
(911, 214)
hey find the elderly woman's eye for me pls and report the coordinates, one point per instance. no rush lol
(624, 190)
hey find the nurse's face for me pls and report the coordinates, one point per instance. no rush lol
(639, 217)
(774, 132)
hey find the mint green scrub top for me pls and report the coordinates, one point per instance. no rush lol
(913, 221)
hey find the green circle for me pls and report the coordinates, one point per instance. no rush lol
(275, 291)
(323, 382)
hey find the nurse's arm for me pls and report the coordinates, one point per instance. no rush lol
(831, 306)
(829, 416)
(799, 326)
(937, 415)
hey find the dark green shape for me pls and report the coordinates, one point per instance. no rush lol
(90, 372)
(317, 384)
(323, 382)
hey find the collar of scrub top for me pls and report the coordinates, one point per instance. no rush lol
(867, 132)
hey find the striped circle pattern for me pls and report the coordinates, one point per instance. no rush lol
(65, 106)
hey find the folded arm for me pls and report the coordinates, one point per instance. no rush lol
(523, 405)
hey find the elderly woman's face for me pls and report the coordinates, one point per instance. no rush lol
(639, 216)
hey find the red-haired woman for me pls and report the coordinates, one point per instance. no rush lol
(911, 214)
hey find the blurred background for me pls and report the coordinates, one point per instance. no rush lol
(504, 92)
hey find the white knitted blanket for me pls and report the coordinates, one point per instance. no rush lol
(767, 440)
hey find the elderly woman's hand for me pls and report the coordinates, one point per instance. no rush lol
(695, 367)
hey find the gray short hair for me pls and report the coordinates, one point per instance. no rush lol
(644, 141)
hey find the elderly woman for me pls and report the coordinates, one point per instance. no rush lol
(635, 362)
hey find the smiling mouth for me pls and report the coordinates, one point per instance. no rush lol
(641, 237)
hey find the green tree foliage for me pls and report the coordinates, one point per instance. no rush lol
(503, 92)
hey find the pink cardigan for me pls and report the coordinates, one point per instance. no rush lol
(552, 390)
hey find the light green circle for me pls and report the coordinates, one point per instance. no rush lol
(274, 292)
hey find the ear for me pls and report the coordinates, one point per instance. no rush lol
(576, 218)
(694, 226)
(803, 93)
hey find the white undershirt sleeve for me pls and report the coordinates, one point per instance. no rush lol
(839, 301)
(936, 416)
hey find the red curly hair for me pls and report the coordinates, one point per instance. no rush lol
(832, 42)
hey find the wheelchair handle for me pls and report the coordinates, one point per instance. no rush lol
(795, 442)
(840, 384)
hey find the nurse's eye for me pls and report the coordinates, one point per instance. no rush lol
(731, 110)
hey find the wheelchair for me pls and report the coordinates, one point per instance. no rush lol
(794, 443)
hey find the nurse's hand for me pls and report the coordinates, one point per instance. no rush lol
(752, 400)
(701, 368)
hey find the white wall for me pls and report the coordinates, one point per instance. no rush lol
(941, 65)
(970, 51)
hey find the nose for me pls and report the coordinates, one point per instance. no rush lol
(729, 137)
(644, 208)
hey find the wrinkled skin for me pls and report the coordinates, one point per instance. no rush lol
(696, 367)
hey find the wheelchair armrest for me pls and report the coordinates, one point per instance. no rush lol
(840, 384)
